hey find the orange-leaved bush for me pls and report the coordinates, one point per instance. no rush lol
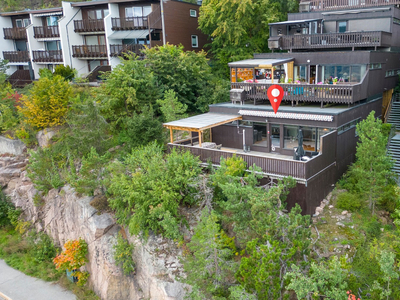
(72, 258)
(48, 102)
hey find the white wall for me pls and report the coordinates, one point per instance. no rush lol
(6, 45)
(113, 13)
(69, 38)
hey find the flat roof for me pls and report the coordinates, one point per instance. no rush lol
(202, 122)
(260, 62)
(28, 11)
(295, 22)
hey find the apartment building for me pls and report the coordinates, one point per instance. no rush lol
(338, 61)
(93, 36)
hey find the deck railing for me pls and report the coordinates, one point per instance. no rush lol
(50, 56)
(273, 165)
(91, 51)
(132, 23)
(14, 33)
(88, 25)
(20, 78)
(16, 56)
(46, 32)
(328, 93)
(336, 40)
(318, 5)
(119, 50)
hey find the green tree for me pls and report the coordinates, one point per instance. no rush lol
(239, 28)
(326, 280)
(372, 172)
(390, 274)
(171, 108)
(187, 74)
(146, 190)
(210, 266)
(65, 71)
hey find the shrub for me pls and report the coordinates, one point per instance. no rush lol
(100, 203)
(42, 246)
(5, 207)
(72, 258)
(47, 104)
(349, 201)
(66, 72)
(123, 255)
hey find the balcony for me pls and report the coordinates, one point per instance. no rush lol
(332, 40)
(120, 50)
(277, 165)
(89, 25)
(47, 56)
(134, 23)
(42, 32)
(20, 78)
(320, 5)
(14, 33)
(89, 51)
(16, 56)
(345, 93)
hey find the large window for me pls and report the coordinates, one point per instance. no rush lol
(290, 136)
(343, 73)
(52, 21)
(275, 137)
(260, 134)
(53, 45)
(137, 11)
(97, 14)
(21, 23)
(195, 41)
(311, 137)
(342, 26)
(300, 73)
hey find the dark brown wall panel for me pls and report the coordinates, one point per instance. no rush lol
(180, 26)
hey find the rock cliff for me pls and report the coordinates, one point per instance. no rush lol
(65, 215)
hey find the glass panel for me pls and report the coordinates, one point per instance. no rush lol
(18, 23)
(137, 11)
(321, 132)
(51, 21)
(355, 74)
(128, 42)
(92, 40)
(309, 136)
(91, 14)
(329, 73)
(128, 12)
(52, 45)
(342, 73)
(244, 74)
(93, 64)
(290, 137)
(275, 136)
(21, 45)
(102, 40)
(27, 22)
(99, 14)
(260, 134)
(146, 10)
(342, 26)
(300, 73)
(105, 12)
(194, 41)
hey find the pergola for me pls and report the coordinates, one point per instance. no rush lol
(200, 123)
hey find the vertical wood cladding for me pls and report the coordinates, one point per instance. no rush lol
(180, 26)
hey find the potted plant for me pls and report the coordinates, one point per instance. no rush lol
(335, 80)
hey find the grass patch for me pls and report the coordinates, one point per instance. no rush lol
(81, 292)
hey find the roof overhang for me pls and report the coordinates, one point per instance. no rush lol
(129, 34)
(295, 22)
(287, 115)
(260, 62)
(202, 122)
(57, 13)
(356, 11)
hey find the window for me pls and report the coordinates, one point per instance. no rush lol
(95, 40)
(290, 137)
(51, 21)
(195, 41)
(396, 21)
(137, 11)
(92, 64)
(18, 23)
(155, 36)
(53, 45)
(21, 45)
(391, 73)
(260, 134)
(97, 14)
(193, 13)
(375, 66)
(344, 73)
(26, 22)
(275, 136)
(342, 26)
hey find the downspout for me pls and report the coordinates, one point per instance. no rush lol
(162, 21)
(69, 45)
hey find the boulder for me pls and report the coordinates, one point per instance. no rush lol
(44, 136)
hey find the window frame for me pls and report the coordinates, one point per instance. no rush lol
(195, 13)
(197, 40)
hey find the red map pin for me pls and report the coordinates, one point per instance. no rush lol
(275, 95)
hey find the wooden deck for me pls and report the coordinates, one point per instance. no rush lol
(274, 165)
(320, 5)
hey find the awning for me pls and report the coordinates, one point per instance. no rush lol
(202, 122)
(260, 63)
(129, 34)
(295, 22)
(58, 13)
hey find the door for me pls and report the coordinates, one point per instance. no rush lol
(313, 72)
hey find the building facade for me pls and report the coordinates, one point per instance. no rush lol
(336, 63)
(93, 36)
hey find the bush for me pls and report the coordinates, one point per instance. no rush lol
(100, 203)
(349, 201)
(66, 72)
(5, 207)
(123, 255)
(42, 246)
(48, 103)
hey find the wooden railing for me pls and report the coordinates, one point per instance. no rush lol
(88, 25)
(132, 23)
(91, 51)
(327, 93)
(16, 56)
(46, 32)
(155, 18)
(119, 50)
(47, 56)
(95, 75)
(274, 165)
(336, 40)
(20, 78)
(318, 5)
(15, 33)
